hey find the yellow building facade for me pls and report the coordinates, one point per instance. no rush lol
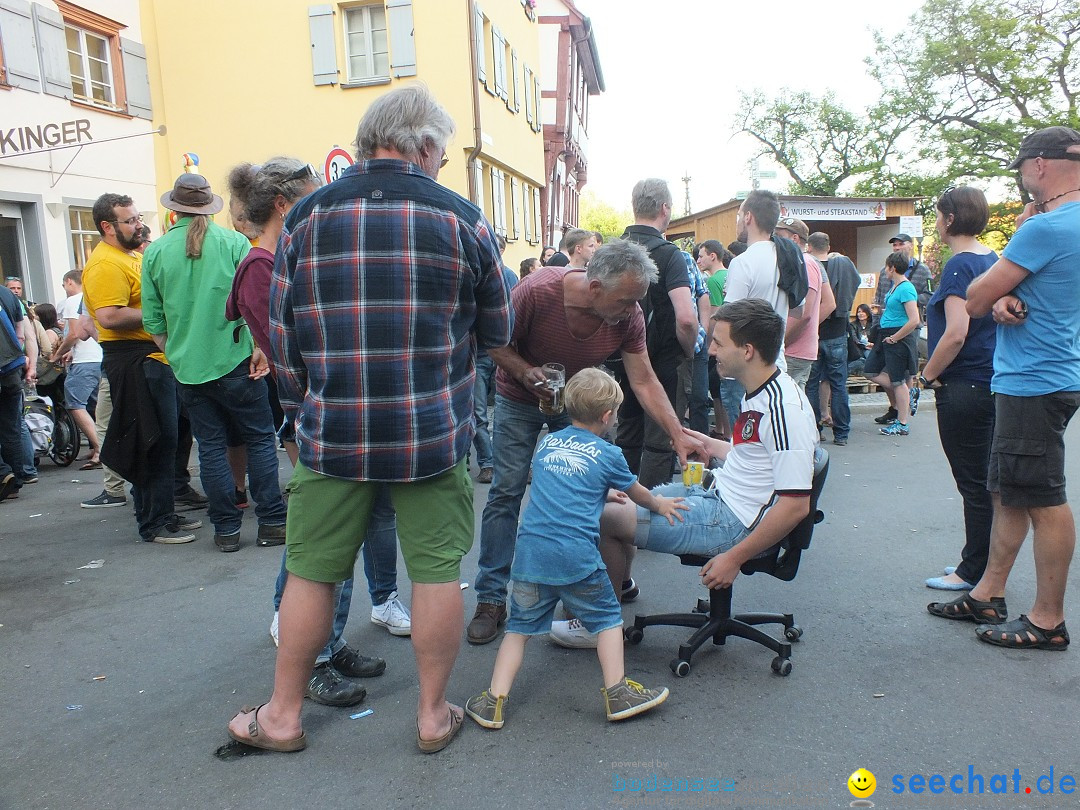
(249, 79)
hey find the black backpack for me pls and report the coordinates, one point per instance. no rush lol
(792, 266)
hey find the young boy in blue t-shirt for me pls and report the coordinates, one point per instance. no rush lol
(557, 555)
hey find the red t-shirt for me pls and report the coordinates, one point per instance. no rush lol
(542, 333)
(250, 296)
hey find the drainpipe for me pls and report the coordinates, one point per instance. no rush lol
(478, 142)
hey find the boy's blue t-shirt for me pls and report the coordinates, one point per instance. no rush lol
(895, 315)
(975, 361)
(558, 541)
(1042, 354)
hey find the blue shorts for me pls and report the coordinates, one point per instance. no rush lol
(81, 385)
(590, 600)
(710, 526)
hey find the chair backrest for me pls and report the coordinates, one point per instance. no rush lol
(782, 560)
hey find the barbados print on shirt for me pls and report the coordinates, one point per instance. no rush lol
(558, 540)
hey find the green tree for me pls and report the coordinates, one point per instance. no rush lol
(978, 76)
(596, 215)
(817, 140)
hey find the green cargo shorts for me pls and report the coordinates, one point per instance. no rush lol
(328, 519)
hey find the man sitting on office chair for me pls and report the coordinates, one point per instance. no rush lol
(763, 489)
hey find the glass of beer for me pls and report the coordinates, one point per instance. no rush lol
(554, 381)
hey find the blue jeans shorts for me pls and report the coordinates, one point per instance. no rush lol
(591, 600)
(710, 526)
(81, 384)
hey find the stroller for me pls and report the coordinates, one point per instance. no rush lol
(52, 430)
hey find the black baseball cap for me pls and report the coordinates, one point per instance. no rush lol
(1051, 143)
(900, 237)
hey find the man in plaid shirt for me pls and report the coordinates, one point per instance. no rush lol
(385, 282)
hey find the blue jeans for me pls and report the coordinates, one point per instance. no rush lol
(699, 391)
(154, 500)
(241, 401)
(380, 567)
(29, 469)
(485, 377)
(731, 394)
(12, 458)
(517, 427)
(832, 366)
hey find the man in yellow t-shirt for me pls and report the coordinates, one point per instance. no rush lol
(141, 441)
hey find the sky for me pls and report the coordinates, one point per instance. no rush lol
(673, 82)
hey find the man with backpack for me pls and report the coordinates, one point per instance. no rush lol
(671, 331)
(17, 343)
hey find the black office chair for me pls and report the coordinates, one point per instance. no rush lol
(713, 617)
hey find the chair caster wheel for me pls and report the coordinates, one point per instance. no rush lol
(679, 667)
(793, 633)
(781, 666)
(634, 635)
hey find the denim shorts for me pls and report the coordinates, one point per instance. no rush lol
(710, 526)
(81, 384)
(591, 600)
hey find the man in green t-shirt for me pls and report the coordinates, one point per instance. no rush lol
(186, 277)
(710, 262)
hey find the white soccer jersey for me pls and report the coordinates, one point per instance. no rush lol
(773, 445)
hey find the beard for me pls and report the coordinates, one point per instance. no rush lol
(129, 242)
(742, 235)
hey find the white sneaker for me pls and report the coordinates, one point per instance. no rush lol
(572, 634)
(273, 629)
(392, 615)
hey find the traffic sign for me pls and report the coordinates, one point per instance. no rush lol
(337, 161)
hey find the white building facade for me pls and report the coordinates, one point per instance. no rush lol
(74, 123)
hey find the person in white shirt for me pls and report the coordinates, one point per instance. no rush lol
(83, 366)
(763, 489)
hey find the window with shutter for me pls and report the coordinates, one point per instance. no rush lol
(20, 61)
(527, 81)
(498, 62)
(367, 49)
(481, 62)
(515, 81)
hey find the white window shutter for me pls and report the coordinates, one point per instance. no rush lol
(496, 52)
(399, 19)
(136, 79)
(21, 67)
(323, 52)
(52, 52)
(527, 81)
(481, 62)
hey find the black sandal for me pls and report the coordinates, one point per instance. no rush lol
(968, 609)
(1018, 634)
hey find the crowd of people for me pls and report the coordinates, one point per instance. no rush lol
(324, 324)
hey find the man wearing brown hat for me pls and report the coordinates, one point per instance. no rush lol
(1032, 293)
(186, 277)
(140, 444)
(801, 337)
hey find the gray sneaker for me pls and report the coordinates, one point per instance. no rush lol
(169, 536)
(104, 501)
(179, 523)
(627, 698)
(487, 710)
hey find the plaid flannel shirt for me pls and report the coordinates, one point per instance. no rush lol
(384, 284)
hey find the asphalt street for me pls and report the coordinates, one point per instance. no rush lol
(116, 681)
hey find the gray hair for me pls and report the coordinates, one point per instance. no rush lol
(619, 258)
(406, 120)
(648, 196)
(277, 176)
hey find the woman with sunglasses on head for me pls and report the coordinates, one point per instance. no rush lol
(961, 364)
(262, 198)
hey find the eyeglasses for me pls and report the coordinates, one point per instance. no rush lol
(444, 161)
(129, 221)
(307, 170)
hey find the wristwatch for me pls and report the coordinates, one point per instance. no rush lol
(925, 382)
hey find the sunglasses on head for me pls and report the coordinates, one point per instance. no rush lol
(307, 170)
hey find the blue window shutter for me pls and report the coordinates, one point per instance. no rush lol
(136, 79)
(17, 33)
(52, 51)
(399, 19)
(323, 53)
